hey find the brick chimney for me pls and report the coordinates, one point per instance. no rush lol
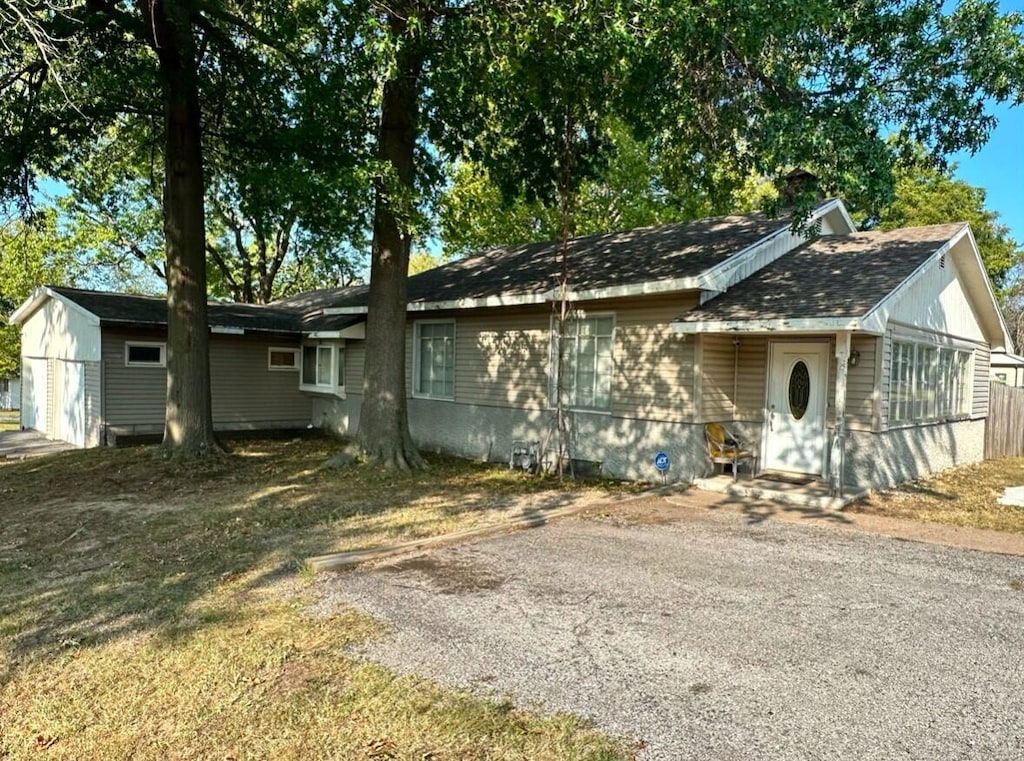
(797, 182)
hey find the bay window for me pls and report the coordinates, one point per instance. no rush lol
(928, 382)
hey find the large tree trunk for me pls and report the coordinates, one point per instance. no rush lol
(384, 420)
(188, 429)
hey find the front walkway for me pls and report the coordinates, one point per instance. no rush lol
(814, 493)
(18, 445)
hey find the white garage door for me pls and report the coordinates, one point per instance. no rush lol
(71, 421)
(33, 390)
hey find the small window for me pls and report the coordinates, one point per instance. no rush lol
(323, 368)
(434, 359)
(145, 354)
(282, 359)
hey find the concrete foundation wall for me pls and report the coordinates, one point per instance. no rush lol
(625, 447)
(881, 460)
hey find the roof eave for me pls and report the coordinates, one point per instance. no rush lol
(31, 304)
(708, 279)
(38, 297)
(778, 325)
(878, 316)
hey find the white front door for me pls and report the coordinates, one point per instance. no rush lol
(794, 437)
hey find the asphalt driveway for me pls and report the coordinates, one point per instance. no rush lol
(717, 636)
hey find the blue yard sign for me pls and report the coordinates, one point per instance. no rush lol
(661, 461)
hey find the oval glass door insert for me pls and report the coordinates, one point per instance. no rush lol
(799, 390)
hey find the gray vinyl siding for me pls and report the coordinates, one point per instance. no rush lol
(502, 359)
(355, 361)
(133, 396)
(245, 393)
(717, 360)
(753, 376)
(725, 394)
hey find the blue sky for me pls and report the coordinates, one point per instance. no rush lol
(999, 166)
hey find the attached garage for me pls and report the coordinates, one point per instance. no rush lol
(95, 365)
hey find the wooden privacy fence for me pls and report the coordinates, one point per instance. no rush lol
(1004, 429)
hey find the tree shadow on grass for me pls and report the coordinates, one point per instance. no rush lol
(101, 544)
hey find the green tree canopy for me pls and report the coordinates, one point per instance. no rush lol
(929, 196)
(634, 189)
(33, 253)
(263, 87)
(737, 88)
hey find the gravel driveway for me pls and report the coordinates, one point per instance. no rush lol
(714, 637)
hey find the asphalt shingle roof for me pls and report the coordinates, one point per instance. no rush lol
(126, 309)
(834, 276)
(648, 254)
(838, 276)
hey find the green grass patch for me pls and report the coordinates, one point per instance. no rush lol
(965, 496)
(9, 421)
(151, 609)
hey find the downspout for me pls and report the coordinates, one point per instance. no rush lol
(735, 375)
(839, 439)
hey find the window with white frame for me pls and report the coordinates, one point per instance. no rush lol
(928, 382)
(279, 358)
(590, 340)
(434, 359)
(145, 354)
(323, 368)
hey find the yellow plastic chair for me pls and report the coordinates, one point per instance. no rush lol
(725, 448)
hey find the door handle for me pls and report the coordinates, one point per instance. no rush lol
(771, 419)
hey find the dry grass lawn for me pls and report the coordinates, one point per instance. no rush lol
(965, 496)
(150, 610)
(9, 420)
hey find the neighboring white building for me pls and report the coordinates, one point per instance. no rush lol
(1008, 369)
(10, 393)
